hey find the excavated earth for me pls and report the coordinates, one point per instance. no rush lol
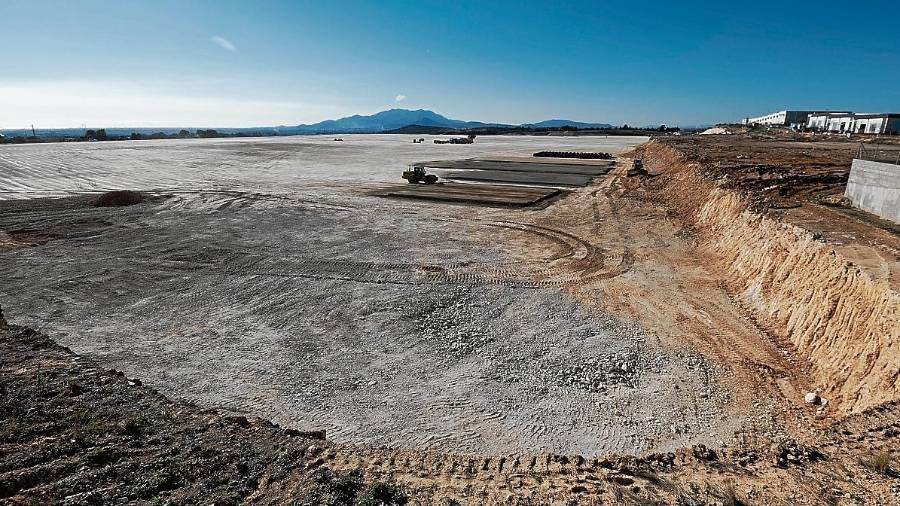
(637, 341)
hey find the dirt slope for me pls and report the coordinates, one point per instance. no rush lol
(844, 323)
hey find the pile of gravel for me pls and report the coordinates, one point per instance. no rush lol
(596, 374)
(453, 323)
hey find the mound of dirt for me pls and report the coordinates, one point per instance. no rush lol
(118, 198)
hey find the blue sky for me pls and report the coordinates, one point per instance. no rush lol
(243, 63)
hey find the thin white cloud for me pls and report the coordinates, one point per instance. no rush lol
(223, 43)
(399, 98)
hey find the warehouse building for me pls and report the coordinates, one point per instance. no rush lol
(832, 121)
(876, 123)
(840, 122)
(820, 120)
(781, 118)
(858, 123)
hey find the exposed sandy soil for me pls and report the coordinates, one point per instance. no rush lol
(666, 285)
(839, 314)
(800, 180)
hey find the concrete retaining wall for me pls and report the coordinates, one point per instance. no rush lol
(875, 187)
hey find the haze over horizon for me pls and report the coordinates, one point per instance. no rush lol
(236, 64)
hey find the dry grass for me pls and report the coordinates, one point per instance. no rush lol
(880, 462)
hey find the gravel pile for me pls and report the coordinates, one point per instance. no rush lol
(455, 323)
(597, 373)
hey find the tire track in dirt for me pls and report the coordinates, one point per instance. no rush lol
(586, 261)
(578, 260)
(472, 421)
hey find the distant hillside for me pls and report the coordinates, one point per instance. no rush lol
(526, 130)
(558, 123)
(394, 120)
(383, 121)
(423, 129)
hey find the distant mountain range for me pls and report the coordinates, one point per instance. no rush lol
(559, 123)
(383, 121)
(386, 120)
(395, 119)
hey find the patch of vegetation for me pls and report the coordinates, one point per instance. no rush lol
(12, 402)
(75, 387)
(695, 495)
(82, 414)
(880, 462)
(89, 425)
(729, 495)
(383, 494)
(336, 489)
(92, 432)
(11, 430)
(132, 426)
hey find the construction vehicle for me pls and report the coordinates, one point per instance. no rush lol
(637, 168)
(416, 174)
(457, 140)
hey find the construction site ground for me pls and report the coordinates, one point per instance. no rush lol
(462, 353)
(800, 179)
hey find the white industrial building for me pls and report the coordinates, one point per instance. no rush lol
(781, 118)
(876, 123)
(832, 121)
(820, 120)
(840, 122)
(858, 123)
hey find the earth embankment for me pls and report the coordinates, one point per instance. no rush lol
(841, 320)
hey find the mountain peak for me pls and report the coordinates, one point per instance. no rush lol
(395, 118)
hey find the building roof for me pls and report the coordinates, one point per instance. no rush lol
(877, 115)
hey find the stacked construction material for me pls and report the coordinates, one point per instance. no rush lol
(575, 154)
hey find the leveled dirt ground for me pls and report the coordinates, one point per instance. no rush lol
(469, 340)
(385, 322)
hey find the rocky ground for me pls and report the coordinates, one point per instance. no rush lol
(74, 432)
(386, 323)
